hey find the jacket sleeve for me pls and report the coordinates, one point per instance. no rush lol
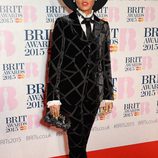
(108, 85)
(55, 62)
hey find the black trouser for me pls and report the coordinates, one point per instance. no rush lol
(82, 116)
(82, 120)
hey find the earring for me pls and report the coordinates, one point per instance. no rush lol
(74, 1)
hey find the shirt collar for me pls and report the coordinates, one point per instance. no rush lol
(84, 15)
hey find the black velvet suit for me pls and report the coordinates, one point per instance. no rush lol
(79, 76)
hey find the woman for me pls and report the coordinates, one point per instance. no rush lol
(80, 70)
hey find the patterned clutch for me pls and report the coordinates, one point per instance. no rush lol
(60, 122)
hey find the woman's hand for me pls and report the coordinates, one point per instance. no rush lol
(55, 110)
(108, 107)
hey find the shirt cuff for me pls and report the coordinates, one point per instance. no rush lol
(53, 102)
(107, 101)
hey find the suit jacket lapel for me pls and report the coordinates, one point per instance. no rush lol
(97, 27)
(77, 29)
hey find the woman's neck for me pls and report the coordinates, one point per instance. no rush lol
(88, 12)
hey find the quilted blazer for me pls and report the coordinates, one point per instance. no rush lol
(79, 67)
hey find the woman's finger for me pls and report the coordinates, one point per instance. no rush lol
(55, 110)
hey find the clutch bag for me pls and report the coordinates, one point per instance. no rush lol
(60, 122)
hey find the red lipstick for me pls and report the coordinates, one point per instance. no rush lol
(85, 3)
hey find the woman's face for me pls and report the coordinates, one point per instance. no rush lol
(85, 5)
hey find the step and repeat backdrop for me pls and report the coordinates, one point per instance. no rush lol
(25, 31)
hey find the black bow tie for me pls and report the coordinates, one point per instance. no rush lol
(87, 20)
